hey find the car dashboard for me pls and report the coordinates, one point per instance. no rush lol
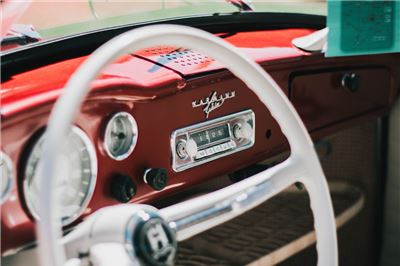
(164, 119)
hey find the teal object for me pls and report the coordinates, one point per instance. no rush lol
(363, 27)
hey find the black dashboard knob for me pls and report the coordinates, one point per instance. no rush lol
(351, 81)
(122, 188)
(157, 178)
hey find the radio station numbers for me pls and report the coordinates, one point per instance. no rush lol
(218, 133)
(211, 135)
(200, 138)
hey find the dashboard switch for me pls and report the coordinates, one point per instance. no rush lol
(157, 178)
(122, 188)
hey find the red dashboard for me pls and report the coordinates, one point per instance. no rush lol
(157, 87)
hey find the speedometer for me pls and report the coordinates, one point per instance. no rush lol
(76, 176)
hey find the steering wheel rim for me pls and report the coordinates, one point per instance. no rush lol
(303, 164)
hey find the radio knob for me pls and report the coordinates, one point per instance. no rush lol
(242, 130)
(186, 149)
(122, 188)
(157, 178)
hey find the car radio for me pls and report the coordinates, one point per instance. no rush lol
(210, 140)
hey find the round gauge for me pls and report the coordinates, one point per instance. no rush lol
(76, 176)
(120, 136)
(7, 175)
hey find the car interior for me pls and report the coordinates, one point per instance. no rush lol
(227, 138)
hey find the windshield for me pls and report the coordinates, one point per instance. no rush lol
(56, 19)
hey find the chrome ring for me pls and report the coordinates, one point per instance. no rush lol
(92, 183)
(133, 127)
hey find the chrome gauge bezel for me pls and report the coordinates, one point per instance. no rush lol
(10, 177)
(132, 126)
(92, 183)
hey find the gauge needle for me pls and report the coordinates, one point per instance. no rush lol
(120, 135)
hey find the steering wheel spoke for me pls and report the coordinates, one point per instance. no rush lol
(194, 216)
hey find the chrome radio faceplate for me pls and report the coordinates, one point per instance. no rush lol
(210, 140)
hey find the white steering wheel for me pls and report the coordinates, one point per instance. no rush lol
(130, 225)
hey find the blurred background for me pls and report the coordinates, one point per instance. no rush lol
(56, 18)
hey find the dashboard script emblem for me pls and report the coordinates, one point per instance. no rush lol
(213, 101)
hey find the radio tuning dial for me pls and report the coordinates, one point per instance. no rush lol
(242, 130)
(186, 148)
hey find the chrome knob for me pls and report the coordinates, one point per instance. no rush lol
(242, 130)
(186, 148)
